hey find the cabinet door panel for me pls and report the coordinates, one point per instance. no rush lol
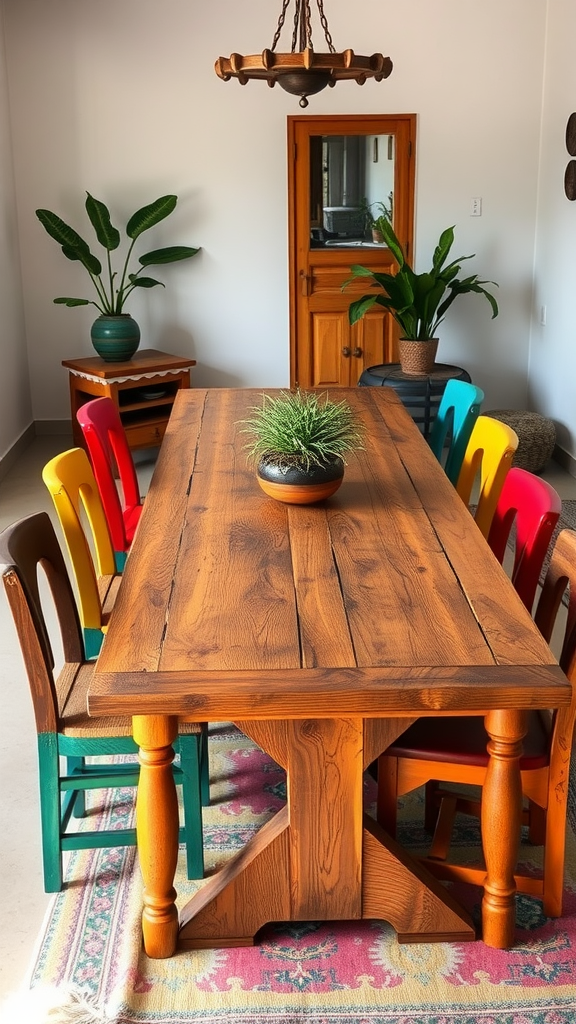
(330, 367)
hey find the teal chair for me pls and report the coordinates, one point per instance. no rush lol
(457, 413)
(66, 734)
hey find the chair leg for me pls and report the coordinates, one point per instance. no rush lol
(387, 804)
(120, 559)
(191, 798)
(92, 642)
(50, 811)
(536, 824)
(76, 765)
(204, 767)
(431, 808)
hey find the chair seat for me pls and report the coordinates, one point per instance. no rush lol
(72, 688)
(463, 741)
(131, 516)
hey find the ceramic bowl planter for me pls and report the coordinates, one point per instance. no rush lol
(298, 486)
(115, 338)
(298, 440)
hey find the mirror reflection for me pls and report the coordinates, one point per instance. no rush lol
(351, 185)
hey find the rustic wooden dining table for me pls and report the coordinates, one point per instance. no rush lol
(322, 631)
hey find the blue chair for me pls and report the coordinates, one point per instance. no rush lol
(457, 413)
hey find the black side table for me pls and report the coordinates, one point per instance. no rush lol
(420, 394)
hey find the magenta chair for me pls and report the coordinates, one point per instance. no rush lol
(533, 507)
(109, 452)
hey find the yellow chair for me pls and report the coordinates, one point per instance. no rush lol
(490, 452)
(74, 491)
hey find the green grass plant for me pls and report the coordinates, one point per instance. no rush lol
(302, 428)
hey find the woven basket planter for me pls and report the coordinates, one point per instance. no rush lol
(417, 357)
(536, 437)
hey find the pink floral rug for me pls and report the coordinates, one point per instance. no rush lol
(318, 973)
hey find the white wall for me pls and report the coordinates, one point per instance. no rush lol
(553, 348)
(15, 405)
(120, 98)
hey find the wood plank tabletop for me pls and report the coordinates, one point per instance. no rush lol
(383, 597)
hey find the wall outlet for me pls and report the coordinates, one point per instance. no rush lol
(476, 206)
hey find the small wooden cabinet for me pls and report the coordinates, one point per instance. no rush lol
(142, 388)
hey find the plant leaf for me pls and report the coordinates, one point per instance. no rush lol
(99, 215)
(361, 306)
(85, 257)
(150, 215)
(60, 231)
(144, 282)
(73, 302)
(384, 226)
(443, 248)
(171, 254)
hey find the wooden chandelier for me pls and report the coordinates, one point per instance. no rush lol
(303, 72)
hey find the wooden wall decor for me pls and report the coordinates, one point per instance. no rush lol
(570, 172)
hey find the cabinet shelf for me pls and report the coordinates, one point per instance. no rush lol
(144, 419)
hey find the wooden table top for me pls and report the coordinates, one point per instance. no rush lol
(383, 599)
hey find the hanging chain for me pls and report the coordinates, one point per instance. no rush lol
(303, 25)
(324, 24)
(280, 25)
(296, 23)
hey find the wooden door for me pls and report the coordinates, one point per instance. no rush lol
(333, 157)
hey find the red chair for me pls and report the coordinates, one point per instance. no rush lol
(534, 507)
(110, 453)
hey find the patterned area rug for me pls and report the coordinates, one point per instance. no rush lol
(318, 973)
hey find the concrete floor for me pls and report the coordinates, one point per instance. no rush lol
(23, 903)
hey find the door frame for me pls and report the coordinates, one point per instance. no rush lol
(404, 185)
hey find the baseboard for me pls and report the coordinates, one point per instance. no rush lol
(46, 427)
(564, 459)
(14, 453)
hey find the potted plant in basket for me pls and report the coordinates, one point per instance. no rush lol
(298, 442)
(418, 302)
(115, 335)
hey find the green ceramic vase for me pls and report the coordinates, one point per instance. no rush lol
(115, 338)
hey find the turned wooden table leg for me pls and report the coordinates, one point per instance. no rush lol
(501, 823)
(157, 829)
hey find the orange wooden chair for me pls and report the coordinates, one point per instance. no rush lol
(109, 453)
(532, 506)
(65, 731)
(488, 456)
(453, 750)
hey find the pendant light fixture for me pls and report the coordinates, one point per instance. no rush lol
(303, 72)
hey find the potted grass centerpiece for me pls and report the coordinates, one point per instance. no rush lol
(298, 442)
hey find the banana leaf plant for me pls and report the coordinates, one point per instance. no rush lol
(418, 302)
(113, 290)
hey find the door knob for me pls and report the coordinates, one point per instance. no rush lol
(357, 352)
(346, 351)
(304, 283)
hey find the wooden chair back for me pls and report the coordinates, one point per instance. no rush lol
(488, 456)
(457, 413)
(71, 483)
(532, 506)
(24, 547)
(110, 452)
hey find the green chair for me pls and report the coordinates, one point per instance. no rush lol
(65, 731)
(457, 413)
